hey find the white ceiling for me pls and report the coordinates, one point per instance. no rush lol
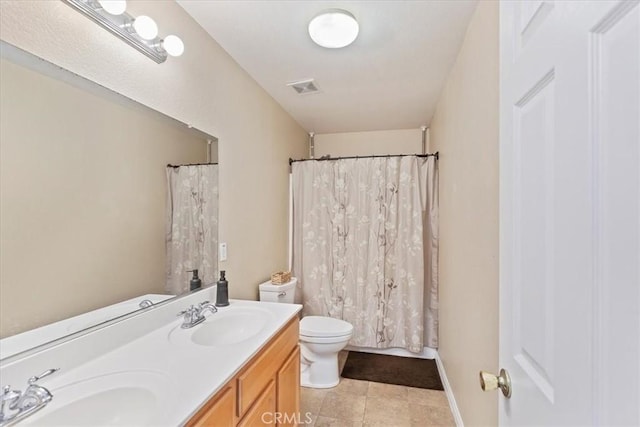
(389, 78)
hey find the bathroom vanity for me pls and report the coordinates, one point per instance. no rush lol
(265, 391)
(239, 367)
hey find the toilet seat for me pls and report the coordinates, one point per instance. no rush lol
(312, 327)
(324, 340)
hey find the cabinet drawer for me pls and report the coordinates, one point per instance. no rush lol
(253, 380)
(263, 412)
(217, 412)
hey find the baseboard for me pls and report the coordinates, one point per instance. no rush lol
(447, 389)
(427, 352)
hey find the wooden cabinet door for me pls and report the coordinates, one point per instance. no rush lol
(288, 390)
(263, 411)
(218, 413)
(255, 377)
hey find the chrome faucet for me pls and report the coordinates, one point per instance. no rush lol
(194, 315)
(16, 405)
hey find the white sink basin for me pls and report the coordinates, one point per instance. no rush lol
(118, 399)
(232, 326)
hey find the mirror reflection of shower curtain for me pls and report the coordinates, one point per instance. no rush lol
(364, 243)
(191, 225)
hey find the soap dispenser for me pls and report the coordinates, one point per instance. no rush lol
(195, 283)
(222, 293)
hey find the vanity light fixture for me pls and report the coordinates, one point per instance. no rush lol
(145, 27)
(334, 28)
(114, 7)
(173, 45)
(139, 32)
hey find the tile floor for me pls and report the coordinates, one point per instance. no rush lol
(363, 403)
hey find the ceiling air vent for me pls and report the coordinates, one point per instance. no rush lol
(304, 87)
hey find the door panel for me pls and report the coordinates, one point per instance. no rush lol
(533, 333)
(615, 47)
(531, 16)
(570, 211)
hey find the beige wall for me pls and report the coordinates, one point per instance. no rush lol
(401, 141)
(465, 131)
(82, 197)
(204, 88)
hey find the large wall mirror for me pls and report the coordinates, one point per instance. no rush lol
(84, 185)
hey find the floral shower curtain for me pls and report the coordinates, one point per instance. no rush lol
(359, 246)
(192, 225)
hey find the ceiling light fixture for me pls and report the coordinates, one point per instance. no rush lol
(333, 28)
(139, 32)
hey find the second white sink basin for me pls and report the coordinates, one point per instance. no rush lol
(117, 399)
(228, 327)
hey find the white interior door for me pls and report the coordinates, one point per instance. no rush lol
(570, 212)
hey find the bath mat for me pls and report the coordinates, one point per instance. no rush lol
(380, 368)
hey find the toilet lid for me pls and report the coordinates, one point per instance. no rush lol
(320, 326)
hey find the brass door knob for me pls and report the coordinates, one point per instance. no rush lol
(490, 382)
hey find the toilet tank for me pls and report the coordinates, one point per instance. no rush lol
(278, 293)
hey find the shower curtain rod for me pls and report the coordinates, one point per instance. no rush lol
(169, 165)
(436, 155)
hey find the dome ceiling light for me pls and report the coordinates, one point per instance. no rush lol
(333, 28)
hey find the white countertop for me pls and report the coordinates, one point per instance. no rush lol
(21, 342)
(134, 373)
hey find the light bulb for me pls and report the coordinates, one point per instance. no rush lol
(114, 7)
(334, 28)
(145, 27)
(173, 45)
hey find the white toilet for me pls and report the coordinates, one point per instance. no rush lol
(321, 338)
